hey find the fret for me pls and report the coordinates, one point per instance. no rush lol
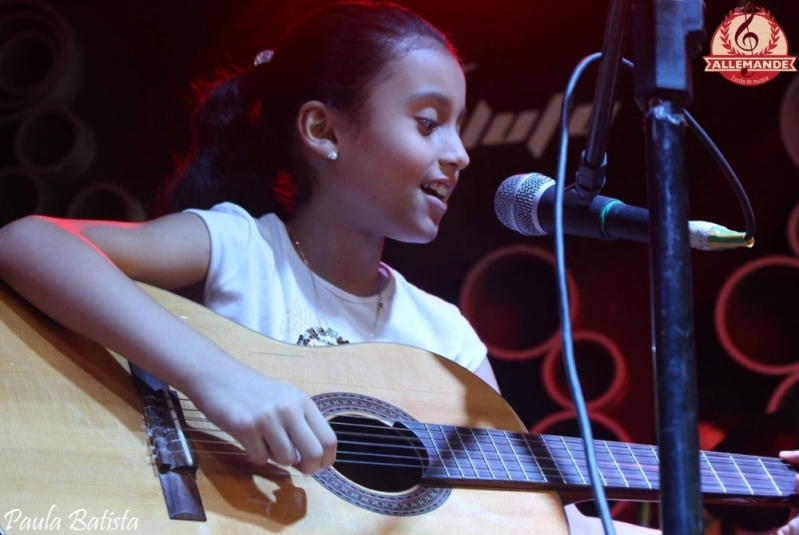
(501, 460)
(625, 460)
(640, 468)
(465, 454)
(552, 461)
(533, 463)
(741, 474)
(480, 457)
(461, 453)
(442, 458)
(616, 464)
(526, 440)
(704, 456)
(650, 464)
(609, 472)
(769, 476)
(579, 472)
(761, 480)
(516, 456)
(560, 452)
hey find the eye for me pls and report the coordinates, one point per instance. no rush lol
(427, 124)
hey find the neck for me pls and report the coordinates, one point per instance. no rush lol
(345, 257)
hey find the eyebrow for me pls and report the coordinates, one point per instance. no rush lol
(437, 96)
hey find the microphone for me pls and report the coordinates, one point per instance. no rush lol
(526, 204)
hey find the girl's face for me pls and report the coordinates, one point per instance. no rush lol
(397, 169)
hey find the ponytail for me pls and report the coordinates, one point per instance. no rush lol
(231, 158)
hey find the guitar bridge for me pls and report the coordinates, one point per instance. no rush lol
(163, 419)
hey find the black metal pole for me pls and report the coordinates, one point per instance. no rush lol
(673, 321)
(665, 34)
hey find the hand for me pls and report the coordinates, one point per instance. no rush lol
(269, 418)
(792, 527)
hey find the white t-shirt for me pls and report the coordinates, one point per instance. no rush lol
(257, 279)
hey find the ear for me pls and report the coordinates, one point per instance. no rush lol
(316, 124)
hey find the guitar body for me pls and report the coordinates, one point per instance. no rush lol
(75, 456)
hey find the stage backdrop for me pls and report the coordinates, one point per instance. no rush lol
(139, 59)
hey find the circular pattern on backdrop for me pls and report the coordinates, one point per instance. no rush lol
(40, 60)
(23, 194)
(511, 300)
(785, 396)
(756, 315)
(792, 229)
(106, 201)
(55, 144)
(600, 366)
(789, 120)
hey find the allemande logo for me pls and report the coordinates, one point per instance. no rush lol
(749, 48)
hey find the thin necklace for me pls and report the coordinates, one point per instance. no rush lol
(319, 300)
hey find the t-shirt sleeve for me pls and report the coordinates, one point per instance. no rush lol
(473, 351)
(231, 229)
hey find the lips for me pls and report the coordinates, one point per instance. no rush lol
(441, 190)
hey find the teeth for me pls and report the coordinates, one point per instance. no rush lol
(439, 189)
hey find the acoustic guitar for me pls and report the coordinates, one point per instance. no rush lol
(93, 444)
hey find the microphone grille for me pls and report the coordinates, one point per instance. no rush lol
(516, 200)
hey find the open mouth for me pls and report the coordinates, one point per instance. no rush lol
(437, 190)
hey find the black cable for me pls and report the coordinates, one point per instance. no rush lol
(732, 178)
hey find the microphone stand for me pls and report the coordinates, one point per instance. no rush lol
(665, 34)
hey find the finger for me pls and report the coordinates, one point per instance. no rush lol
(257, 450)
(790, 456)
(324, 434)
(279, 444)
(308, 446)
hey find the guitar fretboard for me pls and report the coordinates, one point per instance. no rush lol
(459, 455)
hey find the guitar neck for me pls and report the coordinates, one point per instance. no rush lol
(461, 456)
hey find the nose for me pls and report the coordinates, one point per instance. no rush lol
(455, 154)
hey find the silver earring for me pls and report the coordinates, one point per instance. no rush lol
(332, 155)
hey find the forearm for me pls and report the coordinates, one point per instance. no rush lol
(70, 280)
(586, 525)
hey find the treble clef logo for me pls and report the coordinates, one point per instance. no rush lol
(746, 40)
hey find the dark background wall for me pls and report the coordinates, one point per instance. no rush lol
(141, 57)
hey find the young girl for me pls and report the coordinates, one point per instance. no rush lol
(303, 165)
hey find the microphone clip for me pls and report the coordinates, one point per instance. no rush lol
(589, 180)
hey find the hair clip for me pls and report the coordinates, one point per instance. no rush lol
(264, 56)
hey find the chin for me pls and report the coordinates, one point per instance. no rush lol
(419, 235)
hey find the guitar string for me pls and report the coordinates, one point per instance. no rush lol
(750, 460)
(747, 460)
(765, 490)
(415, 459)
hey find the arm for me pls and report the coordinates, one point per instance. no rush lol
(486, 373)
(79, 273)
(792, 527)
(579, 523)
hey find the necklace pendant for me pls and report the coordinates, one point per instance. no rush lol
(319, 336)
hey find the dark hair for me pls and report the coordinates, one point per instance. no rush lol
(244, 141)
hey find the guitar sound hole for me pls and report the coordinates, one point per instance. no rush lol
(377, 456)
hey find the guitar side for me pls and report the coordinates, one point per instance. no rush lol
(75, 449)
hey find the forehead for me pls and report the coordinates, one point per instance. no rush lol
(423, 74)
